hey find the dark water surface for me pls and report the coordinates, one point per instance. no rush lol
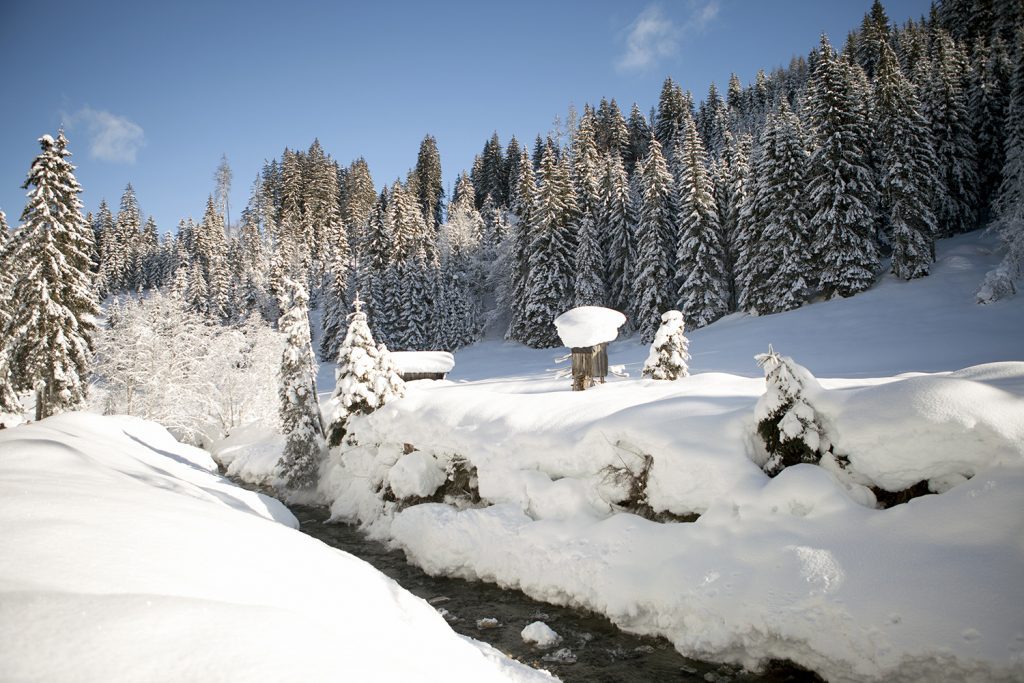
(601, 652)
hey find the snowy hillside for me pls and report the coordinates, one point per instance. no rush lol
(802, 566)
(126, 557)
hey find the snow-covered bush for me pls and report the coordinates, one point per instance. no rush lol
(158, 361)
(786, 421)
(366, 377)
(669, 352)
(301, 421)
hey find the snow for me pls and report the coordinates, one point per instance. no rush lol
(126, 556)
(423, 361)
(541, 634)
(589, 326)
(912, 381)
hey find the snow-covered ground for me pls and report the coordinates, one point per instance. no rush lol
(126, 557)
(918, 384)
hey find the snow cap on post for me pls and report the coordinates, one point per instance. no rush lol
(589, 326)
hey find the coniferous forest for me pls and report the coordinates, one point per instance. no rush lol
(777, 192)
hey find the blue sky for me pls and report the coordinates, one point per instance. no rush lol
(154, 93)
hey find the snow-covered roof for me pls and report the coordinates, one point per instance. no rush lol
(423, 361)
(589, 326)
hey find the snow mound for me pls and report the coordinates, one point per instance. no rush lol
(589, 326)
(541, 634)
(423, 361)
(125, 556)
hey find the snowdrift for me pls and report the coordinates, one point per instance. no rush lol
(125, 556)
(800, 567)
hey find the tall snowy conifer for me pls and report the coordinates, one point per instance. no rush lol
(656, 216)
(522, 237)
(908, 172)
(299, 411)
(428, 187)
(702, 292)
(47, 339)
(618, 220)
(777, 261)
(589, 286)
(840, 184)
(553, 244)
(945, 107)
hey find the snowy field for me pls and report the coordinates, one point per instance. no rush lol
(918, 383)
(126, 557)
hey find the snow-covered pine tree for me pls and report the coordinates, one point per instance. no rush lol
(550, 288)
(589, 286)
(1009, 206)
(301, 422)
(673, 110)
(945, 107)
(639, 139)
(670, 350)
(428, 186)
(619, 223)
(731, 189)
(702, 289)
(988, 96)
(335, 305)
(907, 169)
(522, 209)
(148, 252)
(365, 379)
(211, 249)
(840, 183)
(358, 195)
(47, 339)
(461, 279)
(656, 216)
(612, 132)
(105, 223)
(777, 263)
(791, 429)
(874, 33)
(120, 247)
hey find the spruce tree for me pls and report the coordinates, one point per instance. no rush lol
(358, 195)
(428, 185)
(299, 411)
(669, 351)
(365, 379)
(619, 223)
(639, 139)
(107, 267)
(47, 339)
(908, 173)
(589, 285)
(553, 244)
(522, 239)
(731, 190)
(840, 184)
(777, 263)
(945, 107)
(702, 289)
(656, 216)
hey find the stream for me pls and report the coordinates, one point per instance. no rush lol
(592, 648)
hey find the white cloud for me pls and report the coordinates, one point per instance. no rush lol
(111, 138)
(653, 36)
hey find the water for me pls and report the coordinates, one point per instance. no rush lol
(602, 652)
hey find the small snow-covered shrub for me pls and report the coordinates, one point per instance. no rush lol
(160, 362)
(786, 421)
(669, 352)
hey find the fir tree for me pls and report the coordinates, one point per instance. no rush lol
(358, 195)
(299, 411)
(669, 351)
(107, 267)
(702, 289)
(945, 107)
(47, 339)
(840, 187)
(907, 165)
(365, 379)
(428, 187)
(589, 283)
(731, 190)
(656, 214)
(776, 263)
(550, 288)
(672, 113)
(639, 139)
(786, 420)
(522, 211)
(618, 222)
